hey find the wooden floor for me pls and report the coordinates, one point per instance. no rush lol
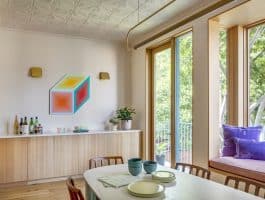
(44, 191)
(56, 190)
(52, 191)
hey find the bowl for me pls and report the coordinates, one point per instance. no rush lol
(135, 170)
(150, 166)
(135, 161)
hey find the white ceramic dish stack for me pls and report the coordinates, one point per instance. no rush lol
(146, 189)
(163, 176)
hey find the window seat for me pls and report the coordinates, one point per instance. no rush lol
(252, 169)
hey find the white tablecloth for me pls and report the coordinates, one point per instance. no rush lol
(186, 186)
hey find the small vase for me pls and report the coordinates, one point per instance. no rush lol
(114, 127)
(161, 159)
(126, 124)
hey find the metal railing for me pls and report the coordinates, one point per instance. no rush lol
(183, 142)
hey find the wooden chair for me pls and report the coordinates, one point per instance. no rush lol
(102, 161)
(75, 193)
(246, 184)
(193, 169)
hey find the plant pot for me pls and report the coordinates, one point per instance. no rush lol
(114, 127)
(126, 124)
(161, 159)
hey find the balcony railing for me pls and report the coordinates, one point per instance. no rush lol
(183, 142)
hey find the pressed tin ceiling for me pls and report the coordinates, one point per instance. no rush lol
(109, 19)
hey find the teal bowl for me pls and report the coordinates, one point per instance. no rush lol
(135, 170)
(150, 166)
(135, 161)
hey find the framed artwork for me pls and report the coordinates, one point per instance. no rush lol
(69, 94)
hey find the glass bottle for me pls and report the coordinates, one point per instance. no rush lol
(36, 123)
(26, 126)
(21, 126)
(31, 126)
(16, 126)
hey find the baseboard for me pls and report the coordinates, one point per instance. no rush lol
(39, 181)
(13, 184)
(53, 179)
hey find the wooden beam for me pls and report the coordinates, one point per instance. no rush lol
(235, 54)
(184, 21)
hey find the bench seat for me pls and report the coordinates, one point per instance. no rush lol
(252, 169)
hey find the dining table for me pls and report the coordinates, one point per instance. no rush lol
(185, 186)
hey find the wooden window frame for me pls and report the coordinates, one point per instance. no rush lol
(234, 96)
(247, 68)
(151, 82)
(149, 138)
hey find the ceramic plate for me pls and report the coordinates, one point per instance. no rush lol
(163, 176)
(146, 189)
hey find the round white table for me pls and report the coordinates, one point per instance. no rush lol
(186, 186)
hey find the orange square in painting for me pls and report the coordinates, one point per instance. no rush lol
(62, 102)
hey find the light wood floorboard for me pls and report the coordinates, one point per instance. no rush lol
(43, 191)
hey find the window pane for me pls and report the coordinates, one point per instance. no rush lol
(184, 98)
(162, 108)
(257, 75)
(223, 76)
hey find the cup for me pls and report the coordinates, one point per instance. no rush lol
(150, 166)
(135, 161)
(135, 166)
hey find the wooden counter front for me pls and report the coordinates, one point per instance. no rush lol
(36, 158)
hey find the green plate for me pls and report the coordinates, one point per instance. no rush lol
(146, 189)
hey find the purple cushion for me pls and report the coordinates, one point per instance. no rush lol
(249, 149)
(231, 132)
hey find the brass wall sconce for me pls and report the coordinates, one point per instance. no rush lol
(104, 76)
(35, 72)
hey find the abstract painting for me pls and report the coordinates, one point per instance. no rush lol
(69, 94)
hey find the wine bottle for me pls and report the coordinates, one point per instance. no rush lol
(36, 123)
(21, 126)
(26, 126)
(31, 126)
(16, 126)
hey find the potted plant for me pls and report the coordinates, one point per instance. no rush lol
(125, 115)
(160, 150)
(114, 123)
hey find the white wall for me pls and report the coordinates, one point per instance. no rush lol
(59, 55)
(201, 82)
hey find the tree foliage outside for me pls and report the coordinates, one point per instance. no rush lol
(257, 75)
(185, 78)
(223, 76)
(256, 82)
(163, 83)
(162, 107)
(162, 64)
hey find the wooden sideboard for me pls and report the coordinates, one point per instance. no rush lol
(35, 158)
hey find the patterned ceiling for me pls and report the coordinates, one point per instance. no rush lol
(108, 19)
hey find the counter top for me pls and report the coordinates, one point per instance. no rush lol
(66, 134)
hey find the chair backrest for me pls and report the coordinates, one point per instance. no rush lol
(102, 161)
(193, 169)
(246, 184)
(75, 193)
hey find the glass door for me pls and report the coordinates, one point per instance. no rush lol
(183, 97)
(161, 106)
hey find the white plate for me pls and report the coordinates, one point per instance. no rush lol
(163, 176)
(146, 188)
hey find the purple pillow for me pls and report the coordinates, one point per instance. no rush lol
(231, 132)
(249, 149)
